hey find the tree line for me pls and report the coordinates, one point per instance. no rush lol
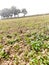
(13, 11)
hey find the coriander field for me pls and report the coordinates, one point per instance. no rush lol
(24, 41)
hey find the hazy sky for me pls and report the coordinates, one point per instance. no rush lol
(32, 6)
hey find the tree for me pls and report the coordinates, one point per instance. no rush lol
(24, 11)
(13, 10)
(18, 11)
(5, 13)
(2, 13)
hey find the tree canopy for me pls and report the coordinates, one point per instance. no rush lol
(13, 11)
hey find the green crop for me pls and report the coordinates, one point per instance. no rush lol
(3, 54)
(37, 45)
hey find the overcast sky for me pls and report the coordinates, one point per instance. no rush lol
(32, 6)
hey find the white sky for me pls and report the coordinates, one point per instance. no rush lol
(32, 6)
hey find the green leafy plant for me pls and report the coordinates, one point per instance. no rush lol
(44, 60)
(34, 61)
(37, 45)
(3, 54)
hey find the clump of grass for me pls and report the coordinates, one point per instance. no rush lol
(3, 54)
(34, 61)
(18, 38)
(44, 60)
(41, 61)
(27, 39)
(1, 46)
(15, 33)
(11, 41)
(31, 53)
(34, 33)
(26, 58)
(28, 34)
(9, 36)
(37, 45)
(42, 37)
(46, 46)
(16, 57)
(16, 47)
(46, 37)
(16, 60)
(1, 36)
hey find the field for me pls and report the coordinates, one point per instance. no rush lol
(24, 41)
